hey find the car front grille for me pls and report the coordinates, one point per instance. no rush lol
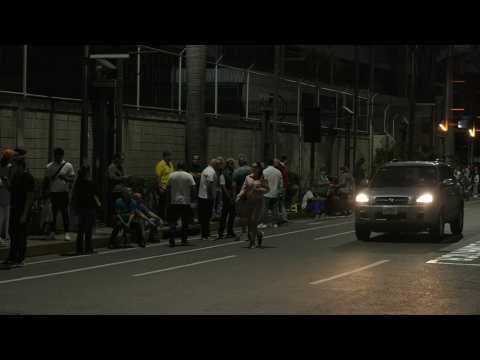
(391, 200)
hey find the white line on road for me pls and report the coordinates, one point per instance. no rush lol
(154, 256)
(451, 263)
(156, 245)
(349, 272)
(334, 235)
(330, 219)
(186, 265)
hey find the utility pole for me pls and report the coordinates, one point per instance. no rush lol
(356, 108)
(371, 91)
(85, 107)
(412, 102)
(277, 66)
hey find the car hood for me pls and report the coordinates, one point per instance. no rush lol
(411, 192)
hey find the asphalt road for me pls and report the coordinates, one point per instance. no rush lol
(307, 267)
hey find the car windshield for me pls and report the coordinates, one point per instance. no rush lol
(405, 176)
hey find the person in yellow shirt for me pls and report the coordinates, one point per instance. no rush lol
(163, 170)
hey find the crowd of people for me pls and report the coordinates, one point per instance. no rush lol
(469, 178)
(221, 190)
(259, 195)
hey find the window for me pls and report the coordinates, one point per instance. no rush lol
(405, 176)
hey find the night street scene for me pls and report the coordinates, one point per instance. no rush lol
(239, 179)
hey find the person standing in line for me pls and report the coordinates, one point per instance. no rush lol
(253, 202)
(163, 170)
(239, 176)
(206, 197)
(282, 167)
(59, 179)
(218, 203)
(345, 190)
(275, 183)
(5, 178)
(180, 190)
(117, 180)
(196, 171)
(228, 196)
(85, 201)
(21, 190)
(476, 180)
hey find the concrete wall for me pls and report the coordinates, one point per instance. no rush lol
(149, 133)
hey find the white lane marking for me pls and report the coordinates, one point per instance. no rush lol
(186, 265)
(349, 272)
(154, 256)
(156, 245)
(465, 254)
(451, 263)
(330, 219)
(334, 235)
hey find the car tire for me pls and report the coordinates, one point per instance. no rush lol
(437, 230)
(362, 232)
(456, 227)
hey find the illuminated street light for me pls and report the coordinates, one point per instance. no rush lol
(443, 127)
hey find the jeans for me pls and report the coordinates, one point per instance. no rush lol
(60, 204)
(228, 210)
(18, 238)
(272, 207)
(175, 212)
(86, 222)
(282, 209)
(4, 221)
(205, 208)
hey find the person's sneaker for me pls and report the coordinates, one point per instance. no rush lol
(231, 236)
(17, 264)
(67, 237)
(262, 226)
(219, 237)
(275, 225)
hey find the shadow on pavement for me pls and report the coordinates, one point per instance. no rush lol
(398, 244)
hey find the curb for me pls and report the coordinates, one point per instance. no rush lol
(100, 240)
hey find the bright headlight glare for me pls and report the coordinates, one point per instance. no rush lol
(425, 199)
(361, 198)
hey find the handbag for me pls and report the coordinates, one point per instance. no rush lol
(47, 181)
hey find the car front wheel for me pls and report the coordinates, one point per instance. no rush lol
(437, 229)
(456, 227)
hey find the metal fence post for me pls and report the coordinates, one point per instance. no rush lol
(25, 63)
(180, 58)
(138, 77)
(247, 99)
(300, 135)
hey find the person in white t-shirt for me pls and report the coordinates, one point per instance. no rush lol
(60, 177)
(275, 183)
(180, 194)
(206, 197)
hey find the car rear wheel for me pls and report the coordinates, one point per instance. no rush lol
(362, 232)
(437, 230)
(456, 227)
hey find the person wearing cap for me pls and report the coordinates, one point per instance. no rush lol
(163, 170)
(6, 173)
(21, 190)
(127, 215)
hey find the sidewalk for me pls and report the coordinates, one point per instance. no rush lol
(41, 246)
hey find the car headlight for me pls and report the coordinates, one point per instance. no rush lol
(361, 198)
(425, 199)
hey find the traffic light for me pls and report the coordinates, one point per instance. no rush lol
(472, 129)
